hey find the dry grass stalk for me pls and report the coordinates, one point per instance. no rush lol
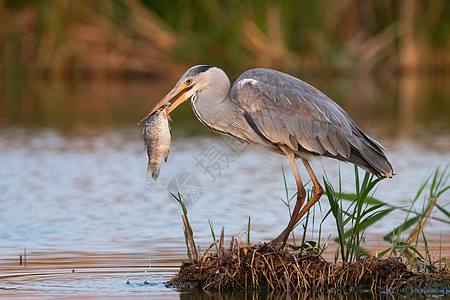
(190, 238)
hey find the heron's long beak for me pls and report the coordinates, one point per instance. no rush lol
(179, 90)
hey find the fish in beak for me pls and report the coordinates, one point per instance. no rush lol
(180, 91)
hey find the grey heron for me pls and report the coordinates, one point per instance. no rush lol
(283, 114)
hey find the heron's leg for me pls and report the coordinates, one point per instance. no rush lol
(280, 241)
(318, 191)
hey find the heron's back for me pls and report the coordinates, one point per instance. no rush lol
(282, 109)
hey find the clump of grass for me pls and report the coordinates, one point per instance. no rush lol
(300, 268)
(418, 220)
(262, 267)
(363, 211)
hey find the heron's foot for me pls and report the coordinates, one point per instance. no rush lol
(275, 243)
(279, 242)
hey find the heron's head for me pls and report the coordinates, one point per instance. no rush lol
(194, 80)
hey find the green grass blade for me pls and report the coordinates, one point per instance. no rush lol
(188, 250)
(416, 251)
(442, 191)
(435, 182)
(404, 245)
(422, 187)
(361, 226)
(179, 199)
(427, 250)
(403, 227)
(443, 210)
(285, 183)
(371, 209)
(369, 184)
(356, 179)
(248, 232)
(367, 200)
(364, 186)
(336, 211)
(373, 219)
(383, 253)
(211, 227)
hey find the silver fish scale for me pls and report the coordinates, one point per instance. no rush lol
(157, 141)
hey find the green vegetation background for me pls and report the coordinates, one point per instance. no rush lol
(126, 38)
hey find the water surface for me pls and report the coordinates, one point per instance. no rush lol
(76, 206)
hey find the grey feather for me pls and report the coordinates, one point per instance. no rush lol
(286, 109)
(270, 108)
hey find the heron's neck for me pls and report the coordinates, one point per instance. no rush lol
(212, 106)
(218, 89)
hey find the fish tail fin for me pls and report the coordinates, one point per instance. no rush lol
(152, 172)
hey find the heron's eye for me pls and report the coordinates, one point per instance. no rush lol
(188, 81)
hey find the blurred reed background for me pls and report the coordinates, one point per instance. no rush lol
(133, 38)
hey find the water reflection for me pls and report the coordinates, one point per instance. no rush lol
(74, 193)
(410, 107)
(255, 295)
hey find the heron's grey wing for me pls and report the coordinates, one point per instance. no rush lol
(286, 110)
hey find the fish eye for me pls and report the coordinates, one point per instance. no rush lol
(188, 81)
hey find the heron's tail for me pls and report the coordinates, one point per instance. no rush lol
(373, 162)
(371, 157)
